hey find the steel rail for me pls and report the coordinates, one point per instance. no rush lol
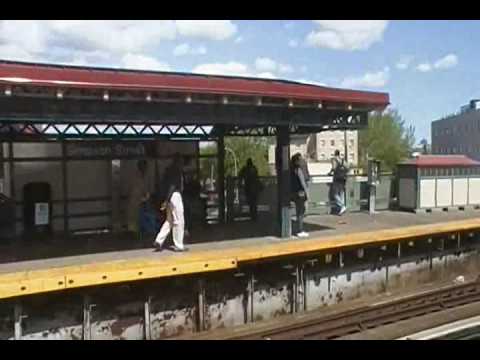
(371, 316)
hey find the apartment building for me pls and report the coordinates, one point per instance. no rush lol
(458, 133)
(319, 148)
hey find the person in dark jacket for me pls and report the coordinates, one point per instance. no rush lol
(306, 174)
(251, 183)
(299, 192)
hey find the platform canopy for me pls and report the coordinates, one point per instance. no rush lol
(70, 101)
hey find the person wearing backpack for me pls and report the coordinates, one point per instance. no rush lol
(339, 172)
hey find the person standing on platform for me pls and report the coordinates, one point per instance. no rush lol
(299, 193)
(139, 194)
(175, 222)
(249, 177)
(339, 172)
(306, 174)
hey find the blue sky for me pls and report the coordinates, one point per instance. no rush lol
(429, 68)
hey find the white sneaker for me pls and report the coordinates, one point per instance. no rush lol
(342, 211)
(302, 234)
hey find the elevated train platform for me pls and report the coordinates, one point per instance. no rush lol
(111, 286)
(330, 234)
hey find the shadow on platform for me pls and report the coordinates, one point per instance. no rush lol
(61, 246)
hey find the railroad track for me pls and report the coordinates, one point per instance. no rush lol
(371, 316)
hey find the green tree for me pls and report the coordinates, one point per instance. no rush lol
(242, 149)
(387, 139)
(255, 148)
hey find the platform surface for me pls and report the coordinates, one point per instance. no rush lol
(210, 249)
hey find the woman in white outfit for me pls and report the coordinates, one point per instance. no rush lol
(175, 222)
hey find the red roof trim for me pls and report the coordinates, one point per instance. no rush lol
(82, 77)
(442, 161)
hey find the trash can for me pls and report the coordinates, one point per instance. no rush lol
(37, 209)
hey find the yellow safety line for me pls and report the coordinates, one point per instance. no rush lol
(109, 272)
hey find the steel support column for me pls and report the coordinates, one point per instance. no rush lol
(221, 175)
(18, 315)
(201, 305)
(147, 319)
(66, 226)
(282, 157)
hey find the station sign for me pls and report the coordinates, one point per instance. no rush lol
(113, 150)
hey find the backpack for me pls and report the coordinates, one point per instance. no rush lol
(341, 172)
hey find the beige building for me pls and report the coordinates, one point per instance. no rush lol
(319, 149)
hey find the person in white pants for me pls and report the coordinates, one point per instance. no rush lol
(175, 222)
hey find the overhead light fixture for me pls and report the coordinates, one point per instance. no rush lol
(106, 96)
(225, 100)
(148, 98)
(259, 101)
(290, 103)
(8, 91)
(349, 107)
(188, 99)
(60, 94)
(320, 105)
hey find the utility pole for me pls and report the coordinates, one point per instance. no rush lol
(345, 146)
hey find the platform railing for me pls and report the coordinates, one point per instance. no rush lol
(318, 204)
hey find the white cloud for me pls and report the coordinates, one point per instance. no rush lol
(239, 39)
(346, 34)
(234, 68)
(404, 62)
(186, 49)
(265, 64)
(265, 75)
(424, 67)
(293, 43)
(112, 35)
(311, 82)
(231, 68)
(285, 69)
(142, 62)
(86, 58)
(14, 52)
(368, 80)
(73, 41)
(207, 29)
(447, 62)
(31, 36)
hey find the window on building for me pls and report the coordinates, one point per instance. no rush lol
(332, 142)
(322, 156)
(322, 142)
(351, 157)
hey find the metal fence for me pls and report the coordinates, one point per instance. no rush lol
(357, 195)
